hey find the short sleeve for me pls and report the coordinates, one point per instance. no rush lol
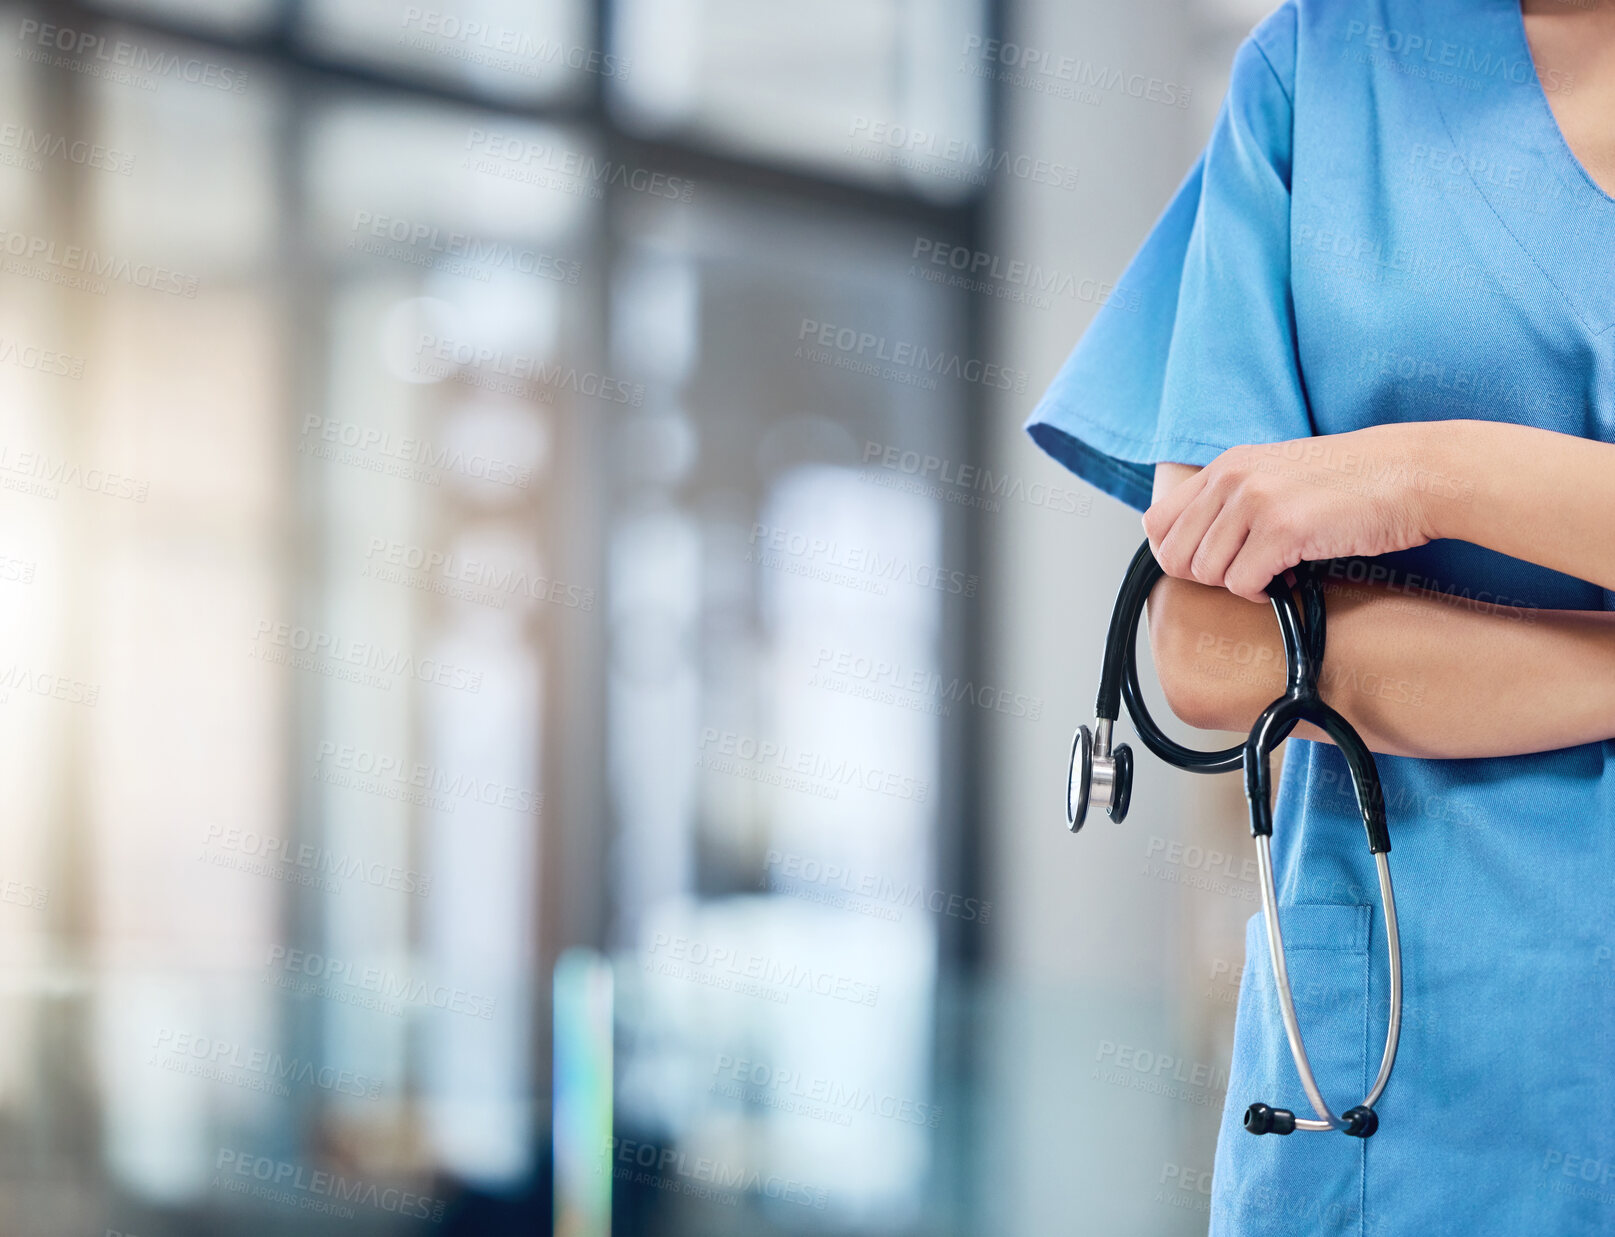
(1195, 352)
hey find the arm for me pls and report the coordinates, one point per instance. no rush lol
(1256, 511)
(1401, 666)
(1539, 496)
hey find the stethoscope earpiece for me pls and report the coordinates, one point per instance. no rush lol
(1359, 1122)
(1260, 1119)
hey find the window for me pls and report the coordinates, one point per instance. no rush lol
(460, 516)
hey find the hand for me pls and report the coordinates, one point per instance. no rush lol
(1255, 512)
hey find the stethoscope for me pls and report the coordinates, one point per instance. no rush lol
(1102, 776)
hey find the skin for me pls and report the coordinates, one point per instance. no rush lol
(1416, 673)
(1579, 42)
(1401, 664)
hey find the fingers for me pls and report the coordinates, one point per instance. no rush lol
(1220, 546)
(1212, 528)
(1253, 568)
(1164, 511)
(1179, 553)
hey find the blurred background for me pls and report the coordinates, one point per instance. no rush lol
(538, 662)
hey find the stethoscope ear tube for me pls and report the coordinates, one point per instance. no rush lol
(1100, 776)
(1361, 1121)
(1118, 676)
(1302, 701)
(1279, 718)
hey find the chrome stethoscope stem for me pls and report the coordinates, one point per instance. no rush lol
(1326, 1119)
(1393, 946)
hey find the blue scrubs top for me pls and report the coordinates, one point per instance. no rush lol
(1387, 225)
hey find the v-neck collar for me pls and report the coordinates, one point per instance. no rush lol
(1544, 109)
(1573, 245)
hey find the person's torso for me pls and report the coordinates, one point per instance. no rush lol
(1450, 260)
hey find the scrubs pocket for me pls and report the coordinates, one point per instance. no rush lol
(1307, 1181)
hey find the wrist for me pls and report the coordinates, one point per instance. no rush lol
(1444, 478)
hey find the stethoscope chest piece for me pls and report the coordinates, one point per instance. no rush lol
(1098, 776)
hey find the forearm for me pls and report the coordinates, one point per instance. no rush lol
(1417, 674)
(1533, 494)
